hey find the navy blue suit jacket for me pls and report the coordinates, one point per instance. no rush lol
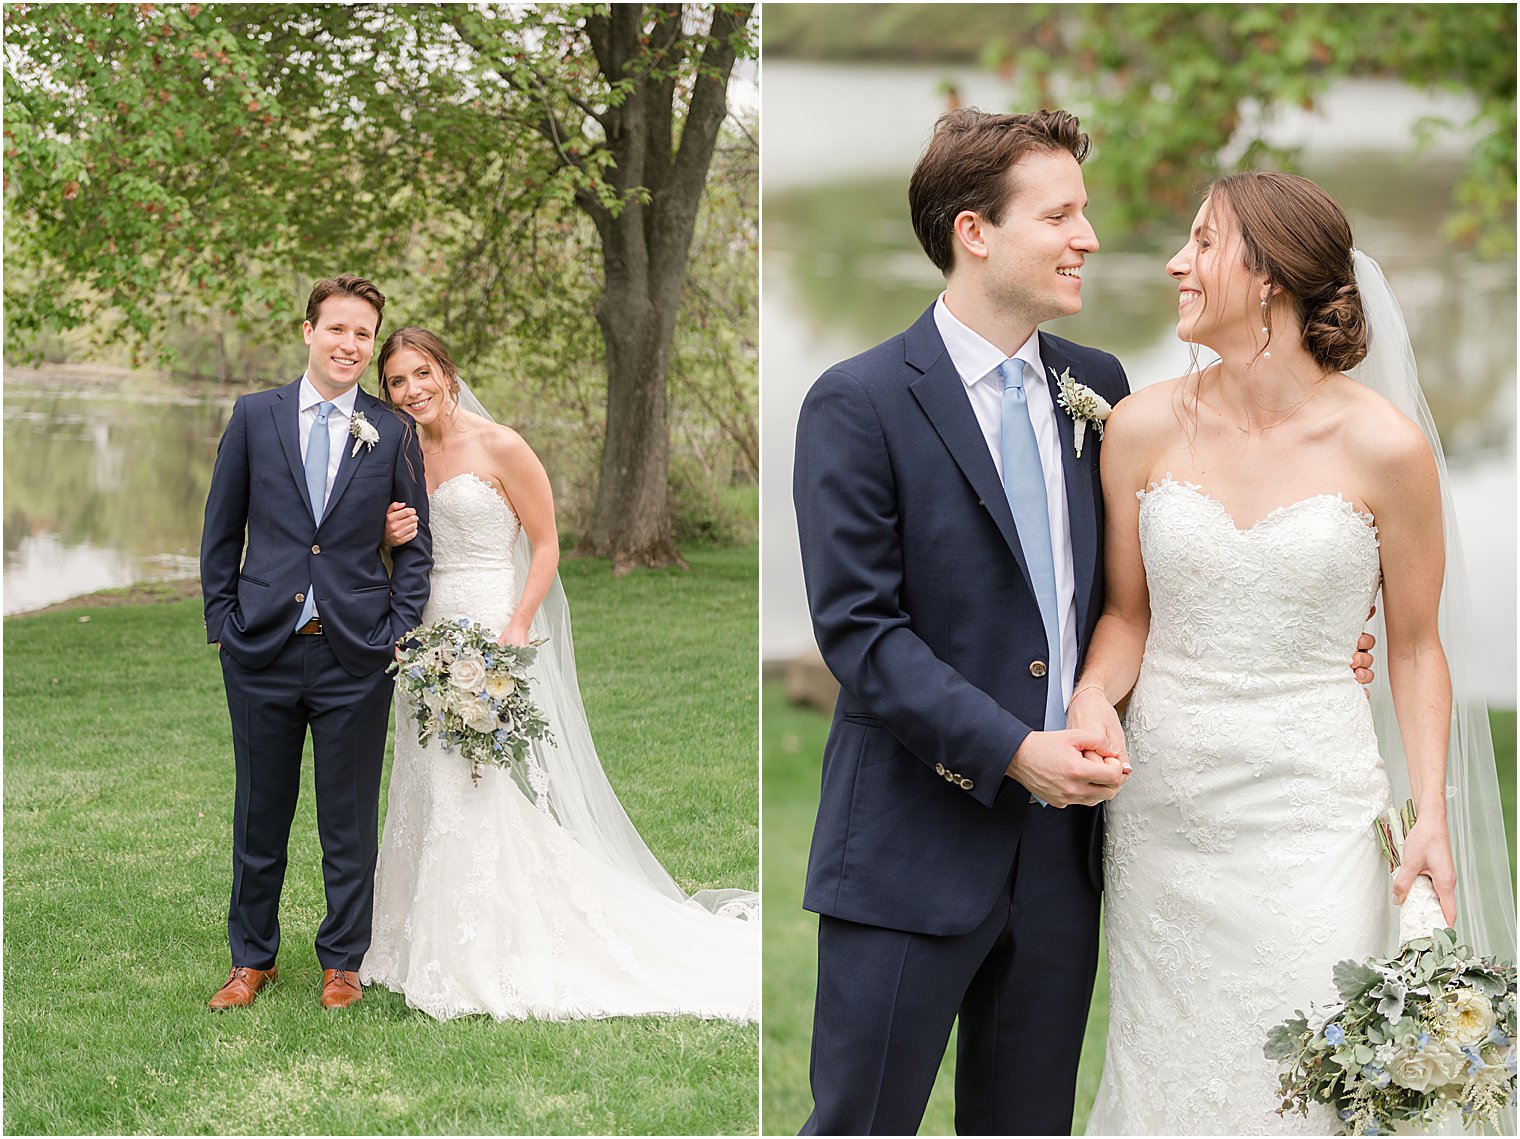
(923, 610)
(258, 495)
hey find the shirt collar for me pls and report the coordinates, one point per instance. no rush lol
(976, 358)
(310, 397)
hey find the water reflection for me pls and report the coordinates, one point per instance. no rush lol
(851, 261)
(103, 487)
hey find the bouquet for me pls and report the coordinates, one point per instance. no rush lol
(471, 692)
(1413, 1036)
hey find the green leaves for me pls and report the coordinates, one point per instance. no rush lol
(1165, 88)
(1353, 978)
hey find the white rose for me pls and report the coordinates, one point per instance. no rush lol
(1433, 1066)
(478, 716)
(436, 701)
(1466, 1016)
(468, 672)
(500, 685)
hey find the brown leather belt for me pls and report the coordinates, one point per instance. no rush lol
(314, 626)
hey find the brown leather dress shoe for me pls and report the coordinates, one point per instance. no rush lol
(340, 988)
(243, 984)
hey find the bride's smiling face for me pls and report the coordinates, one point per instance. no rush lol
(417, 385)
(1217, 296)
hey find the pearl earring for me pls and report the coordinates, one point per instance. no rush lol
(1265, 330)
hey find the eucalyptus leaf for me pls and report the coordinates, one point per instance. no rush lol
(1353, 978)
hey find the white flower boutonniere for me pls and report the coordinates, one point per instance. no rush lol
(363, 431)
(1084, 405)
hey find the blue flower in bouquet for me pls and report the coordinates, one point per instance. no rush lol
(1422, 1040)
(1496, 1036)
(462, 622)
(1335, 1034)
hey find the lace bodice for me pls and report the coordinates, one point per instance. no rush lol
(1290, 594)
(1239, 860)
(473, 532)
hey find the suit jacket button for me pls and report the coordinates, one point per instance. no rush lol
(316, 549)
(939, 769)
(1037, 668)
(966, 784)
(301, 597)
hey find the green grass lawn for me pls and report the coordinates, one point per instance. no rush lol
(118, 801)
(792, 744)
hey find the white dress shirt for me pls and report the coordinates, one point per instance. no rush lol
(978, 362)
(337, 426)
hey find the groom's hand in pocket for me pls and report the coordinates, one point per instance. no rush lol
(1075, 767)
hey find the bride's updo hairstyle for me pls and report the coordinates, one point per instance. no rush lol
(1295, 235)
(423, 341)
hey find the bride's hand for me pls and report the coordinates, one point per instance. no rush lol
(1427, 850)
(400, 526)
(1091, 711)
(514, 634)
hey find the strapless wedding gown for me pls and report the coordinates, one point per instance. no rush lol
(484, 903)
(1240, 863)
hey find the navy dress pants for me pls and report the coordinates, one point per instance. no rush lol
(1020, 983)
(272, 708)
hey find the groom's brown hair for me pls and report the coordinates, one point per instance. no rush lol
(966, 167)
(345, 285)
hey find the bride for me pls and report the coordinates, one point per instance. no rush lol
(1254, 509)
(536, 900)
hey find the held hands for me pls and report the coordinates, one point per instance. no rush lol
(1071, 767)
(1427, 850)
(400, 526)
(1091, 711)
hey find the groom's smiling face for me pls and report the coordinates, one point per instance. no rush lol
(1031, 261)
(339, 345)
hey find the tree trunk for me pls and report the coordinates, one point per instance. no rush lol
(645, 249)
(631, 521)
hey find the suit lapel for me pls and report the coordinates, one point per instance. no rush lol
(1079, 482)
(287, 423)
(942, 395)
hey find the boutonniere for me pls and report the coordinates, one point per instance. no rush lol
(363, 431)
(1084, 405)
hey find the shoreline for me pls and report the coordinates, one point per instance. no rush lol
(139, 593)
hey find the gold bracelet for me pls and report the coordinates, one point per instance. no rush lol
(1085, 687)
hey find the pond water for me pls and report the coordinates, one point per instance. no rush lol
(105, 482)
(842, 271)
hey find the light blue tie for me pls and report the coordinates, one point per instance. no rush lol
(318, 448)
(1024, 483)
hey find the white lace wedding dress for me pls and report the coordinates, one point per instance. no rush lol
(1240, 862)
(484, 901)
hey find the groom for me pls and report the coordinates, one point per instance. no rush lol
(951, 543)
(306, 620)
